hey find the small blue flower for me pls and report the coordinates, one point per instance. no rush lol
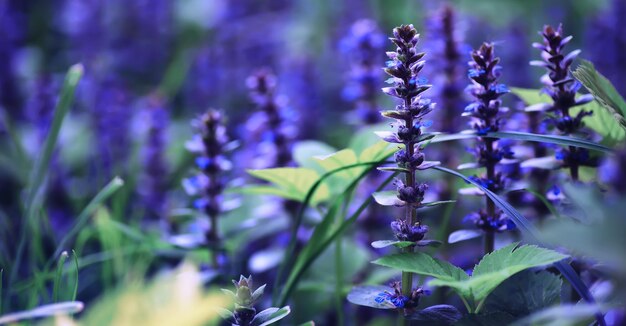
(510, 225)
(472, 107)
(381, 297)
(500, 89)
(473, 73)
(560, 155)
(390, 63)
(555, 190)
(200, 203)
(483, 131)
(203, 162)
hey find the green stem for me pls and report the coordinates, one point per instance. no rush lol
(339, 280)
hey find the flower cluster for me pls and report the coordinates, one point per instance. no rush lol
(270, 122)
(210, 144)
(154, 185)
(245, 298)
(112, 118)
(562, 88)
(398, 300)
(485, 113)
(404, 67)
(449, 60)
(363, 46)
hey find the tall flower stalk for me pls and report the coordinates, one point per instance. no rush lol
(404, 67)
(210, 144)
(562, 88)
(154, 190)
(485, 112)
(363, 46)
(270, 122)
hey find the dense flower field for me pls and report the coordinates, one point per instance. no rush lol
(249, 162)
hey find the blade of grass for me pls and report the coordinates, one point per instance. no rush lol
(298, 220)
(75, 289)
(41, 165)
(516, 135)
(43, 311)
(531, 233)
(306, 259)
(83, 217)
(1, 294)
(59, 276)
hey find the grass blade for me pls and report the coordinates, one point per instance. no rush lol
(41, 166)
(312, 250)
(298, 220)
(1, 294)
(49, 310)
(525, 136)
(531, 233)
(83, 217)
(59, 276)
(75, 289)
(551, 139)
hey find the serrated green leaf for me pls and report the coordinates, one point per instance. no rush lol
(498, 266)
(293, 183)
(604, 92)
(531, 232)
(423, 264)
(525, 293)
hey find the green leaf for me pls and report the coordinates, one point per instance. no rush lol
(339, 159)
(377, 152)
(61, 308)
(602, 89)
(498, 266)
(293, 183)
(388, 198)
(531, 233)
(462, 235)
(304, 151)
(531, 96)
(397, 243)
(270, 316)
(437, 203)
(603, 123)
(365, 295)
(423, 264)
(525, 293)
